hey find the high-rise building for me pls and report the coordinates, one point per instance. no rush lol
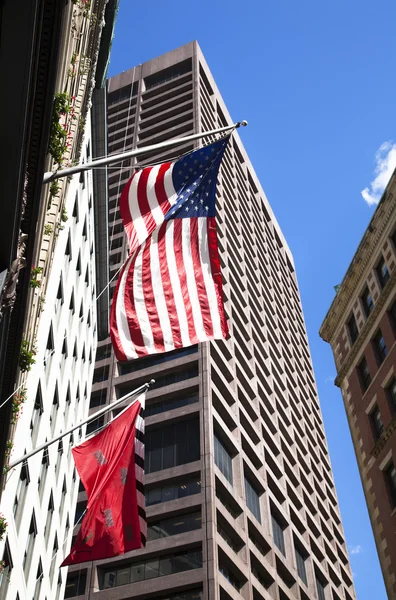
(361, 328)
(240, 494)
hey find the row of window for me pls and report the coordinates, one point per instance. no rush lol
(366, 299)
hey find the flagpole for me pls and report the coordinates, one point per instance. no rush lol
(108, 160)
(97, 414)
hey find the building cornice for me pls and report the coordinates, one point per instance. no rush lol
(361, 259)
(364, 332)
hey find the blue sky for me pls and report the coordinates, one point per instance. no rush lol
(315, 81)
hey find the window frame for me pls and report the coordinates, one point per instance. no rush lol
(364, 379)
(367, 306)
(380, 349)
(353, 331)
(382, 277)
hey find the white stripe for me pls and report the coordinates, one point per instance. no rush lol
(169, 187)
(121, 319)
(175, 282)
(191, 284)
(139, 448)
(140, 423)
(140, 305)
(208, 278)
(158, 292)
(137, 219)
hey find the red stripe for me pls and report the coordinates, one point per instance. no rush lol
(149, 298)
(144, 206)
(167, 287)
(199, 279)
(130, 309)
(115, 338)
(126, 215)
(159, 187)
(216, 272)
(181, 269)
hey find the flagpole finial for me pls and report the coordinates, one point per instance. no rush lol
(241, 124)
(151, 382)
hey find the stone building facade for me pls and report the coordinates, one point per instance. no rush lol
(361, 328)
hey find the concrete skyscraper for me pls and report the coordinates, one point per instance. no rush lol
(240, 494)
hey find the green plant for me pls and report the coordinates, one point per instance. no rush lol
(74, 58)
(26, 356)
(58, 135)
(18, 400)
(64, 216)
(3, 566)
(3, 526)
(81, 124)
(34, 282)
(48, 229)
(41, 302)
(54, 188)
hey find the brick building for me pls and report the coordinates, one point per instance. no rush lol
(361, 328)
(240, 494)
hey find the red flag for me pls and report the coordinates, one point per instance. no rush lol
(111, 467)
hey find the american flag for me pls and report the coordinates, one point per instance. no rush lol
(169, 293)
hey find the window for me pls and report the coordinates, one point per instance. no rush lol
(252, 500)
(170, 404)
(352, 329)
(39, 579)
(277, 531)
(150, 568)
(172, 492)
(54, 410)
(98, 398)
(27, 557)
(20, 494)
(229, 575)
(392, 315)
(53, 559)
(380, 348)
(75, 584)
(49, 351)
(37, 411)
(43, 473)
(364, 374)
(320, 589)
(5, 572)
(173, 445)
(48, 521)
(391, 391)
(223, 459)
(390, 478)
(76, 213)
(173, 526)
(300, 561)
(95, 425)
(376, 422)
(382, 272)
(367, 302)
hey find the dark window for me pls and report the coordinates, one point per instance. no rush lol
(75, 584)
(150, 568)
(223, 459)
(172, 492)
(392, 315)
(391, 390)
(301, 570)
(173, 445)
(382, 272)
(320, 589)
(97, 399)
(100, 374)
(230, 576)
(380, 348)
(352, 329)
(279, 538)
(20, 494)
(39, 579)
(390, 476)
(95, 425)
(367, 302)
(173, 526)
(364, 374)
(27, 557)
(5, 572)
(170, 404)
(376, 422)
(252, 499)
(144, 363)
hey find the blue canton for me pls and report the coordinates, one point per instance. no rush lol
(194, 179)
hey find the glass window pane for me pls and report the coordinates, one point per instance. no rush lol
(122, 576)
(137, 572)
(151, 568)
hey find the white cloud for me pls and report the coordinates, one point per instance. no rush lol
(358, 549)
(385, 159)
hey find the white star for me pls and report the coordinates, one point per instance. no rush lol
(181, 197)
(185, 164)
(206, 194)
(206, 207)
(195, 173)
(201, 153)
(191, 169)
(186, 177)
(192, 201)
(212, 150)
(206, 157)
(188, 191)
(180, 172)
(209, 181)
(186, 209)
(195, 162)
(201, 201)
(196, 208)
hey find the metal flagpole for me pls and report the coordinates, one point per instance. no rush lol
(100, 412)
(108, 160)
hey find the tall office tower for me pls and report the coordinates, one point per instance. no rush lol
(361, 328)
(240, 494)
